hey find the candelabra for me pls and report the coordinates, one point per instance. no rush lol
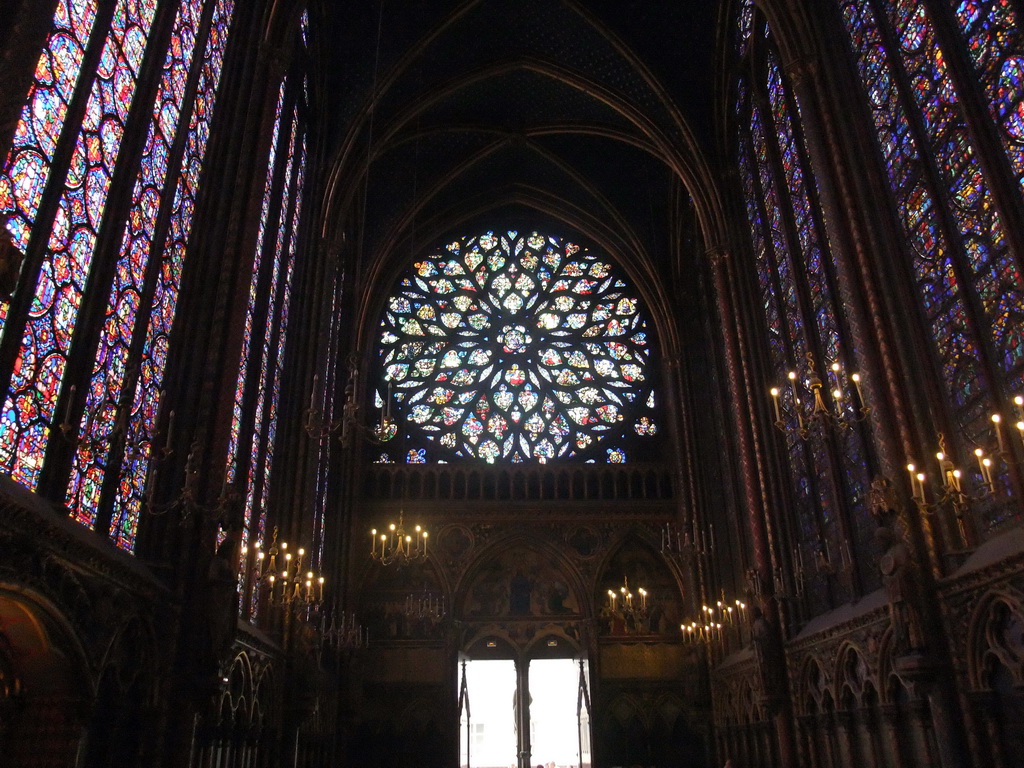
(675, 543)
(11, 259)
(111, 429)
(346, 634)
(425, 606)
(822, 564)
(397, 546)
(188, 500)
(319, 428)
(715, 621)
(280, 576)
(950, 491)
(630, 612)
(843, 412)
(954, 490)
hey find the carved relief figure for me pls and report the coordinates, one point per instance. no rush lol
(899, 576)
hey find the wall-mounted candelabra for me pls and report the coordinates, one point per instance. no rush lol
(677, 543)
(950, 491)
(811, 410)
(188, 501)
(99, 433)
(954, 488)
(822, 565)
(11, 259)
(396, 546)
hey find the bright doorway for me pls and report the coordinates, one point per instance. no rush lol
(558, 718)
(487, 733)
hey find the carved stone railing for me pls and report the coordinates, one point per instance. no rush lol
(581, 483)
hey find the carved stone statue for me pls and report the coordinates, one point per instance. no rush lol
(883, 500)
(900, 578)
(769, 655)
(221, 599)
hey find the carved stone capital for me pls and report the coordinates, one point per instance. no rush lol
(717, 255)
(801, 70)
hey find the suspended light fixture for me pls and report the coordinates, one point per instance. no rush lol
(394, 545)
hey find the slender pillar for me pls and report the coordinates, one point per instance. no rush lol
(774, 657)
(523, 712)
(895, 736)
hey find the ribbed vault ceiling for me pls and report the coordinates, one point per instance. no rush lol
(580, 116)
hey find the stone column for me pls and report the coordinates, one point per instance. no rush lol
(922, 738)
(844, 732)
(806, 741)
(894, 734)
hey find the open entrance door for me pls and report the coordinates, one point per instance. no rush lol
(553, 732)
(487, 704)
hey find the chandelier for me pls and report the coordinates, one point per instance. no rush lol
(624, 607)
(397, 546)
(344, 633)
(281, 578)
(715, 621)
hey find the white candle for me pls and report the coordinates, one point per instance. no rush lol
(856, 386)
(913, 484)
(997, 422)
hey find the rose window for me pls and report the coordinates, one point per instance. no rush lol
(519, 348)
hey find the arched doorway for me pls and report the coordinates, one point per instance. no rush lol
(44, 685)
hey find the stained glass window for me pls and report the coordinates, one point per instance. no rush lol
(112, 363)
(257, 398)
(144, 271)
(263, 249)
(27, 168)
(145, 401)
(325, 408)
(28, 410)
(745, 19)
(969, 282)
(802, 313)
(992, 31)
(516, 347)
